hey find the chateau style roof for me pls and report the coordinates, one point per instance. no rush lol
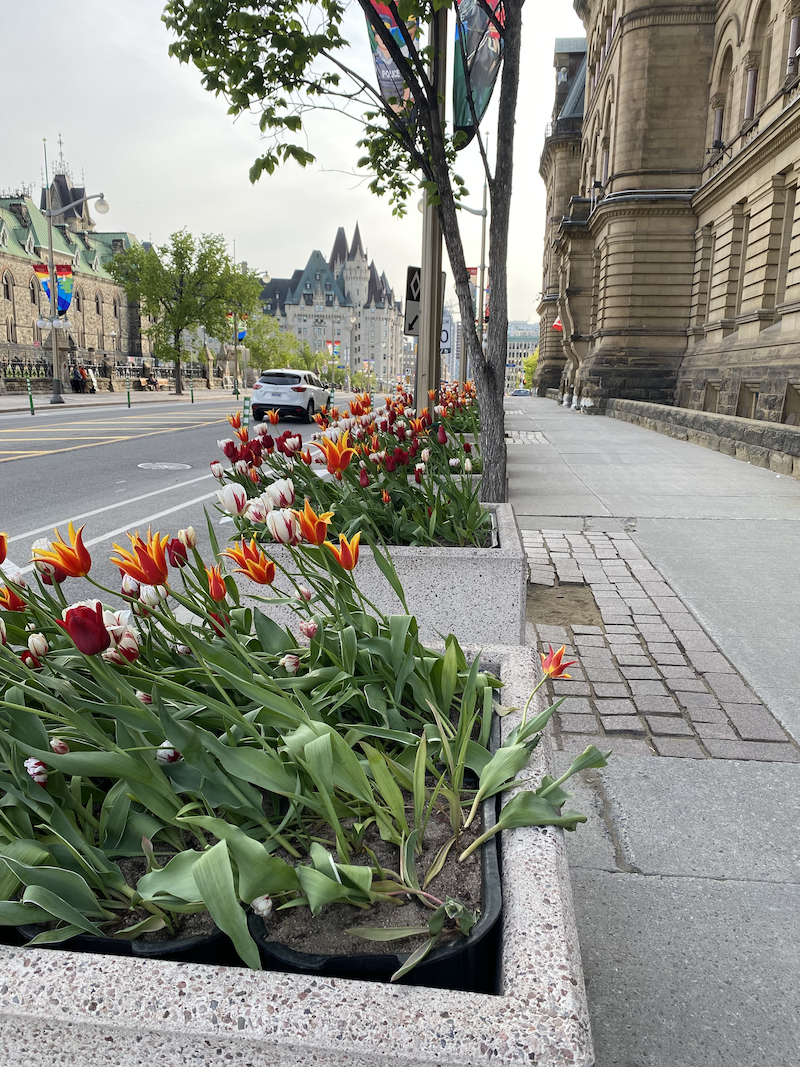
(339, 251)
(356, 246)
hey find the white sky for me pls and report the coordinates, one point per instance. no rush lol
(164, 151)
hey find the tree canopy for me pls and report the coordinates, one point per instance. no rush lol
(284, 57)
(182, 285)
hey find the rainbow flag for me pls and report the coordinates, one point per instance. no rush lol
(64, 281)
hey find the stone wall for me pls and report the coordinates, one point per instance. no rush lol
(769, 445)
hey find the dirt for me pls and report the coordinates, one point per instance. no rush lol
(562, 605)
(326, 933)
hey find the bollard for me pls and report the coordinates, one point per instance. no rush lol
(30, 395)
(129, 390)
(246, 412)
(236, 388)
(191, 388)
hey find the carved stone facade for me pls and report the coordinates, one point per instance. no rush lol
(677, 252)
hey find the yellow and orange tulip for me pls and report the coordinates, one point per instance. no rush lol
(71, 557)
(147, 562)
(235, 420)
(253, 562)
(552, 663)
(337, 453)
(346, 554)
(274, 416)
(314, 527)
(216, 583)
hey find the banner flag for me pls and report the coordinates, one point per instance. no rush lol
(558, 324)
(479, 50)
(390, 81)
(64, 282)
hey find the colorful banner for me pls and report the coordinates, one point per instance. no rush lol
(479, 50)
(390, 81)
(64, 282)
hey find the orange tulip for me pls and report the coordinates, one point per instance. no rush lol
(243, 434)
(314, 527)
(253, 563)
(552, 665)
(9, 601)
(347, 552)
(3, 546)
(385, 497)
(73, 558)
(431, 394)
(417, 425)
(235, 420)
(147, 563)
(337, 453)
(216, 585)
(274, 416)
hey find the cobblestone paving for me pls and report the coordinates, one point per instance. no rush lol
(524, 437)
(649, 680)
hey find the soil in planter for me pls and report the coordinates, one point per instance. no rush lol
(326, 934)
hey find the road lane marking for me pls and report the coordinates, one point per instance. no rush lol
(133, 525)
(109, 507)
(77, 448)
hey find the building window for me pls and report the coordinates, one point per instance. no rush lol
(78, 301)
(7, 287)
(791, 406)
(33, 288)
(98, 303)
(747, 401)
(116, 308)
(786, 243)
(742, 263)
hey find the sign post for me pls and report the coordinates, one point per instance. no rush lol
(30, 395)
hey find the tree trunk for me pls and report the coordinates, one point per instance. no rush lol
(178, 380)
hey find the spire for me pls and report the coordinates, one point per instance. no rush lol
(356, 246)
(339, 251)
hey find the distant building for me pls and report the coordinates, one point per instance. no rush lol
(344, 309)
(103, 325)
(521, 341)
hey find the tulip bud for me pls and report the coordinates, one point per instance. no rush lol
(240, 466)
(177, 553)
(284, 527)
(441, 435)
(3, 633)
(425, 455)
(290, 663)
(144, 697)
(233, 499)
(59, 746)
(303, 593)
(217, 469)
(467, 447)
(281, 492)
(262, 906)
(188, 537)
(308, 628)
(130, 587)
(363, 479)
(165, 753)
(468, 466)
(37, 643)
(183, 650)
(37, 770)
(152, 595)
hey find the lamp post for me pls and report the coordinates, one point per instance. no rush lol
(55, 322)
(353, 321)
(266, 279)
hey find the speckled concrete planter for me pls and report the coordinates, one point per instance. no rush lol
(60, 1007)
(478, 594)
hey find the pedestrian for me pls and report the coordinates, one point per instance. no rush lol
(84, 378)
(77, 381)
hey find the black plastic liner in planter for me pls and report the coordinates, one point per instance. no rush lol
(213, 948)
(468, 963)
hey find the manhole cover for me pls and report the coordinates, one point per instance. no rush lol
(165, 466)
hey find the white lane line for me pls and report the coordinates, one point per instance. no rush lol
(109, 507)
(138, 524)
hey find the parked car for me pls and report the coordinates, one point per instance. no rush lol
(291, 392)
(521, 392)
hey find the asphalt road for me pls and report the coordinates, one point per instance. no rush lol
(100, 467)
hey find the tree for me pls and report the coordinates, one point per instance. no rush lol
(529, 367)
(270, 347)
(284, 57)
(183, 285)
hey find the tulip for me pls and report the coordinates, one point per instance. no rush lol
(308, 628)
(9, 601)
(3, 633)
(188, 537)
(37, 644)
(49, 571)
(468, 466)
(425, 455)
(30, 661)
(552, 665)
(235, 420)
(431, 394)
(347, 553)
(147, 562)
(217, 469)
(391, 464)
(152, 595)
(3, 547)
(281, 492)
(274, 416)
(70, 557)
(130, 587)
(418, 476)
(165, 753)
(454, 461)
(124, 647)
(304, 593)
(385, 497)
(240, 466)
(233, 499)
(86, 627)
(176, 551)
(262, 906)
(290, 663)
(228, 447)
(216, 585)
(441, 435)
(337, 453)
(284, 527)
(253, 563)
(37, 770)
(219, 622)
(59, 746)
(314, 527)
(145, 698)
(467, 447)
(256, 510)
(363, 479)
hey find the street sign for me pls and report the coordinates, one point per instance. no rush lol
(413, 302)
(447, 329)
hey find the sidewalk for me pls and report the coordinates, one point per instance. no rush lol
(41, 401)
(671, 573)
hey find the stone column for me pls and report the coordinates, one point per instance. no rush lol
(751, 64)
(792, 9)
(718, 107)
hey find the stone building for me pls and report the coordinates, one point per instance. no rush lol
(673, 244)
(342, 302)
(103, 325)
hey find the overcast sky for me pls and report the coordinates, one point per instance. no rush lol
(142, 130)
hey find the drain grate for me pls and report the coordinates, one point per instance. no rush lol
(165, 466)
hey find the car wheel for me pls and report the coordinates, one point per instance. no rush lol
(258, 414)
(310, 411)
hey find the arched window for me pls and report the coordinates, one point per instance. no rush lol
(33, 288)
(720, 101)
(8, 287)
(116, 307)
(79, 301)
(98, 302)
(756, 62)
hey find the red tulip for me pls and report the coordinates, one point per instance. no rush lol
(442, 435)
(176, 550)
(552, 665)
(363, 478)
(86, 627)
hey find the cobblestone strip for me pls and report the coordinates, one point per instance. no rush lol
(524, 437)
(649, 680)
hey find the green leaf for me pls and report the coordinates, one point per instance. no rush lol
(528, 809)
(318, 755)
(320, 889)
(258, 871)
(387, 569)
(214, 878)
(66, 884)
(272, 637)
(415, 958)
(388, 933)
(26, 851)
(14, 913)
(176, 879)
(55, 937)
(387, 786)
(59, 908)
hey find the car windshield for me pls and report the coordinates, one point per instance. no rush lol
(279, 379)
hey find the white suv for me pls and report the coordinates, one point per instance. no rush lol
(291, 392)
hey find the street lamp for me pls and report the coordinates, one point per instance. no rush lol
(266, 279)
(56, 323)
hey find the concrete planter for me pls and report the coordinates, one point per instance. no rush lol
(82, 1008)
(478, 594)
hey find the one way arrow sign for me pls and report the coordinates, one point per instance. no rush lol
(413, 303)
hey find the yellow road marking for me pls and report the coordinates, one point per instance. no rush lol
(94, 444)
